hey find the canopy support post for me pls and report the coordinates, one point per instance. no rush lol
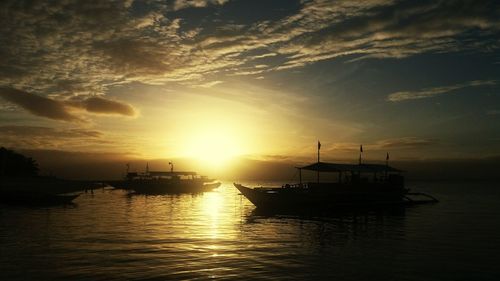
(300, 177)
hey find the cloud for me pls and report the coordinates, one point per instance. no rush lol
(405, 142)
(31, 131)
(431, 92)
(383, 29)
(210, 84)
(493, 112)
(70, 137)
(63, 109)
(349, 149)
(183, 4)
(38, 105)
(100, 44)
(33, 137)
(135, 57)
(104, 106)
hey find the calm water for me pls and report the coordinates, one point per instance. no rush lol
(217, 235)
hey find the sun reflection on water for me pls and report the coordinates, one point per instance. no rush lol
(211, 205)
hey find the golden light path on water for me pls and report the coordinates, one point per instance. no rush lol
(211, 206)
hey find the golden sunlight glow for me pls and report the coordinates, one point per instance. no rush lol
(213, 147)
(214, 130)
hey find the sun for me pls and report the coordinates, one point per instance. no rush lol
(213, 147)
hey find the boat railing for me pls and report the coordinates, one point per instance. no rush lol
(295, 185)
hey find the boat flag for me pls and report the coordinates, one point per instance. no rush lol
(360, 152)
(386, 164)
(319, 147)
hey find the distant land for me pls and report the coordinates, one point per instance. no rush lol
(106, 166)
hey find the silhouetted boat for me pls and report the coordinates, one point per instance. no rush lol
(35, 198)
(44, 184)
(358, 185)
(39, 190)
(160, 182)
(20, 183)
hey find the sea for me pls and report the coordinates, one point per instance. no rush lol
(219, 235)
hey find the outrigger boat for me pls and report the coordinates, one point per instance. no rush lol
(160, 182)
(35, 198)
(39, 191)
(356, 185)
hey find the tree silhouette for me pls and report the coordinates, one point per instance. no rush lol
(13, 164)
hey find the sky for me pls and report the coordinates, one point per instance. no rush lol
(214, 80)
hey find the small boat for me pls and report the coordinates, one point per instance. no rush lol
(354, 186)
(39, 191)
(35, 198)
(162, 182)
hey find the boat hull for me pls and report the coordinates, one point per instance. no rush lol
(39, 191)
(323, 197)
(166, 186)
(35, 198)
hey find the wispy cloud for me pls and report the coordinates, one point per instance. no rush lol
(381, 145)
(431, 92)
(69, 137)
(210, 84)
(183, 4)
(493, 112)
(110, 42)
(85, 49)
(30, 131)
(33, 137)
(404, 142)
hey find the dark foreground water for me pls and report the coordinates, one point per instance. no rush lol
(218, 235)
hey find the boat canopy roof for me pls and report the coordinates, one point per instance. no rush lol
(166, 173)
(336, 167)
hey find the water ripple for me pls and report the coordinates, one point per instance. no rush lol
(112, 235)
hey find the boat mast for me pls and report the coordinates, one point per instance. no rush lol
(360, 153)
(319, 147)
(386, 164)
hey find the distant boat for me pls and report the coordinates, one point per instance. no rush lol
(160, 182)
(35, 198)
(357, 185)
(39, 190)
